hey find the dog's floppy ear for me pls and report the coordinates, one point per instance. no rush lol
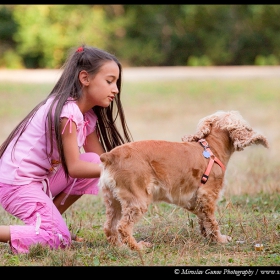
(240, 132)
(106, 158)
(203, 129)
(242, 138)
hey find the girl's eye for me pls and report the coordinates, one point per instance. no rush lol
(109, 82)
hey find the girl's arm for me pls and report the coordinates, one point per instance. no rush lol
(78, 168)
(93, 145)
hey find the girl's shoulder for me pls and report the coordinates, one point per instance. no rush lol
(71, 110)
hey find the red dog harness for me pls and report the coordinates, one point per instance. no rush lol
(207, 153)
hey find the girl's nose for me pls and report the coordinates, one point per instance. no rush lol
(115, 90)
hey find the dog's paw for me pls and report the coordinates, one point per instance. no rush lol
(224, 239)
(141, 245)
(145, 244)
(114, 240)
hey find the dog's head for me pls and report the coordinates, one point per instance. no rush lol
(240, 132)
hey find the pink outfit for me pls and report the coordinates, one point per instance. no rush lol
(29, 180)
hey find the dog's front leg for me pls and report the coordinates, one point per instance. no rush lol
(209, 226)
(210, 229)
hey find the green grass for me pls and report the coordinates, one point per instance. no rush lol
(249, 210)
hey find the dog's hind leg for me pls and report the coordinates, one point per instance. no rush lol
(113, 215)
(131, 213)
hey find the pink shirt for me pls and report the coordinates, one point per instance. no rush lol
(29, 161)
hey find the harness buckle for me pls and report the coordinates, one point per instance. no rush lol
(204, 178)
(202, 141)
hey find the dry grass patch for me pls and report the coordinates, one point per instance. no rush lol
(249, 211)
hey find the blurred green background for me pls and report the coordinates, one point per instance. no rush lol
(40, 36)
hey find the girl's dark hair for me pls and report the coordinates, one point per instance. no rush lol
(90, 59)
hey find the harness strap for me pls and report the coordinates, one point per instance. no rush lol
(207, 153)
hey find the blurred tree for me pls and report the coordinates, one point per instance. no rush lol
(141, 35)
(267, 28)
(157, 35)
(8, 27)
(47, 32)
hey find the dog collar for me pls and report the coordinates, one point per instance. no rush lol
(207, 153)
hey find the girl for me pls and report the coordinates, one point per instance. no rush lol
(52, 157)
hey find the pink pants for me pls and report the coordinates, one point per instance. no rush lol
(42, 221)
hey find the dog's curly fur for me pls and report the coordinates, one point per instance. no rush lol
(136, 174)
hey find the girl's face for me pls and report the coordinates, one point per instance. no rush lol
(100, 89)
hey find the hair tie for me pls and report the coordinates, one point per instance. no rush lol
(80, 49)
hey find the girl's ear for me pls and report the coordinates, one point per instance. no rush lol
(84, 78)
